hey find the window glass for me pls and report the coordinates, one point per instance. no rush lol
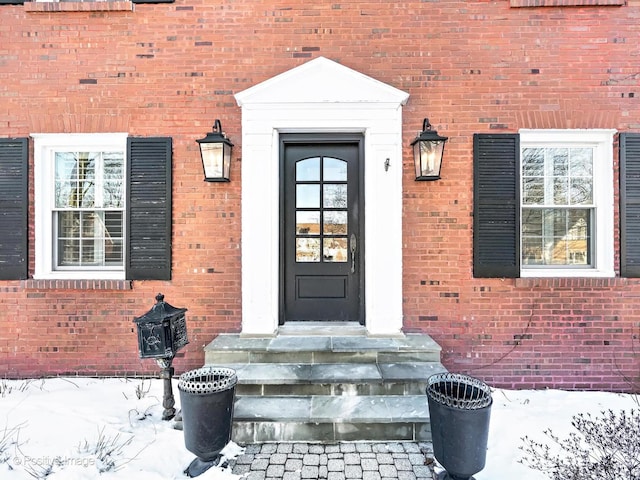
(334, 170)
(334, 195)
(335, 250)
(307, 196)
(308, 222)
(88, 211)
(558, 211)
(321, 214)
(335, 223)
(307, 249)
(308, 170)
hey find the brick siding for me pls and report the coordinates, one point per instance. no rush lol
(471, 67)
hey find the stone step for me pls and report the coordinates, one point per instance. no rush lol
(308, 384)
(334, 378)
(326, 418)
(296, 348)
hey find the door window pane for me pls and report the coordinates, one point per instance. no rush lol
(335, 223)
(321, 215)
(308, 170)
(307, 249)
(334, 196)
(334, 170)
(308, 223)
(307, 196)
(335, 250)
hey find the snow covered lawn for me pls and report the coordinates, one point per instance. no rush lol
(76, 427)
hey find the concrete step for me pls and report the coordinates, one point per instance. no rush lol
(234, 348)
(327, 418)
(334, 378)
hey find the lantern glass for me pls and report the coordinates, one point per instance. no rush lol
(215, 150)
(216, 161)
(428, 158)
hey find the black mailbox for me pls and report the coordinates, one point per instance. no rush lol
(162, 331)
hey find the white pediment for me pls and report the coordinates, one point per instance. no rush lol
(321, 81)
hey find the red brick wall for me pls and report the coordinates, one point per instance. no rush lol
(471, 67)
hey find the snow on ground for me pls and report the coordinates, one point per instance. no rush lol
(60, 423)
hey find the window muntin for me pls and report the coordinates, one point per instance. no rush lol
(80, 204)
(566, 206)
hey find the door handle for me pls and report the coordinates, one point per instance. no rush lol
(353, 246)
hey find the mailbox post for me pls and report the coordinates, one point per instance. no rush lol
(162, 331)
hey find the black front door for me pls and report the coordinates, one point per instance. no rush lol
(321, 228)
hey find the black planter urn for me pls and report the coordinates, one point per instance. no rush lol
(207, 396)
(459, 410)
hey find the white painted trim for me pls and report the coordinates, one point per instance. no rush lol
(602, 142)
(45, 145)
(328, 103)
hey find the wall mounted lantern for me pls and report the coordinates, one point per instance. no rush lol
(428, 148)
(215, 150)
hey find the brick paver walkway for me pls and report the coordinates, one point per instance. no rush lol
(342, 461)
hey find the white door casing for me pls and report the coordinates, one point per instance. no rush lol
(321, 96)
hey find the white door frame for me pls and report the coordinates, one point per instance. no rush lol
(321, 96)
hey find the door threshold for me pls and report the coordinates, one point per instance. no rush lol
(327, 329)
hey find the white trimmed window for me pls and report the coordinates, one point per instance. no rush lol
(566, 203)
(80, 205)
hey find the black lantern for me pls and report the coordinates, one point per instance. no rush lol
(428, 148)
(162, 331)
(215, 150)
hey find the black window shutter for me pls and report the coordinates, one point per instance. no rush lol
(12, 2)
(630, 204)
(496, 205)
(14, 203)
(148, 254)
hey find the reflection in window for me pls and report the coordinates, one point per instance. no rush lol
(308, 222)
(335, 223)
(307, 196)
(334, 170)
(308, 170)
(556, 237)
(335, 250)
(307, 249)
(334, 195)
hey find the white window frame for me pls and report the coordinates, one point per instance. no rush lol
(45, 146)
(601, 140)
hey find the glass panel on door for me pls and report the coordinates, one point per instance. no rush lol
(321, 210)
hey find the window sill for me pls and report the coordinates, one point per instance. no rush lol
(97, 6)
(571, 283)
(566, 3)
(77, 284)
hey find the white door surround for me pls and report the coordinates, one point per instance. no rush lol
(321, 96)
